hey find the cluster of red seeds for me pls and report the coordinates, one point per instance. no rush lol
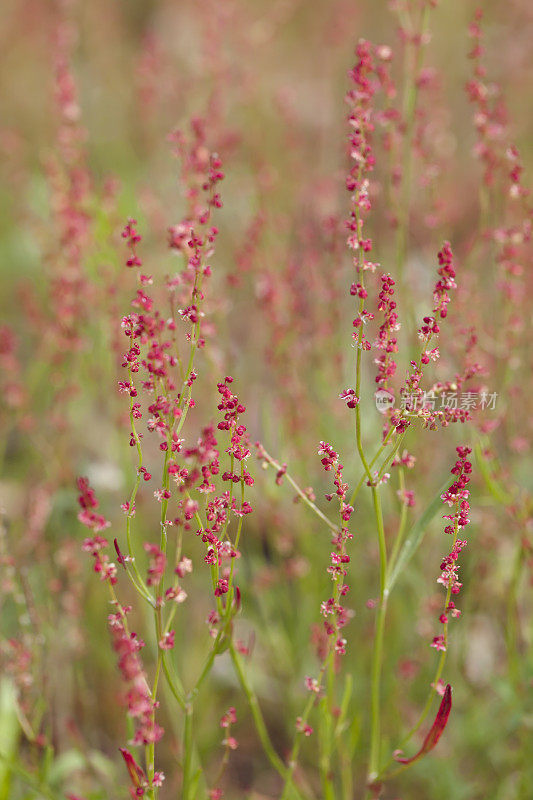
(455, 496)
(141, 706)
(335, 614)
(387, 341)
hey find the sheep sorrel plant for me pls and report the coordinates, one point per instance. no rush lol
(280, 387)
(198, 495)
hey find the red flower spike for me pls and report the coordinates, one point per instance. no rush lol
(435, 731)
(136, 773)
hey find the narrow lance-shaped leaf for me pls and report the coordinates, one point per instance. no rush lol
(493, 485)
(435, 731)
(9, 735)
(415, 536)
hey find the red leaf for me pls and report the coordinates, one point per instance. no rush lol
(435, 731)
(120, 559)
(136, 773)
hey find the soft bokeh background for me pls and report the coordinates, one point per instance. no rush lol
(269, 79)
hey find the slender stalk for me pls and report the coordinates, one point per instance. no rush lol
(26, 777)
(208, 663)
(431, 696)
(187, 754)
(382, 446)
(229, 601)
(173, 683)
(325, 741)
(387, 461)
(412, 66)
(257, 715)
(136, 578)
(511, 632)
(300, 492)
(377, 656)
(293, 758)
(345, 773)
(398, 541)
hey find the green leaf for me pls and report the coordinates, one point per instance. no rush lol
(102, 764)
(415, 536)
(65, 765)
(354, 735)
(223, 645)
(46, 764)
(9, 734)
(195, 781)
(345, 702)
(494, 487)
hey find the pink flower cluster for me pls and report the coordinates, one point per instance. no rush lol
(205, 464)
(446, 283)
(491, 122)
(156, 567)
(141, 706)
(96, 544)
(303, 727)
(232, 409)
(133, 238)
(88, 502)
(350, 397)
(102, 565)
(335, 614)
(230, 743)
(369, 74)
(387, 341)
(417, 402)
(70, 185)
(441, 298)
(206, 455)
(149, 330)
(455, 496)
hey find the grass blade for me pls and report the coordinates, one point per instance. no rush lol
(415, 536)
(9, 735)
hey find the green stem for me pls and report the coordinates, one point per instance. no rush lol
(325, 741)
(309, 503)
(293, 758)
(229, 602)
(208, 663)
(371, 464)
(257, 716)
(440, 667)
(136, 578)
(28, 779)
(377, 656)
(511, 633)
(390, 457)
(187, 754)
(403, 522)
(173, 683)
(412, 67)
